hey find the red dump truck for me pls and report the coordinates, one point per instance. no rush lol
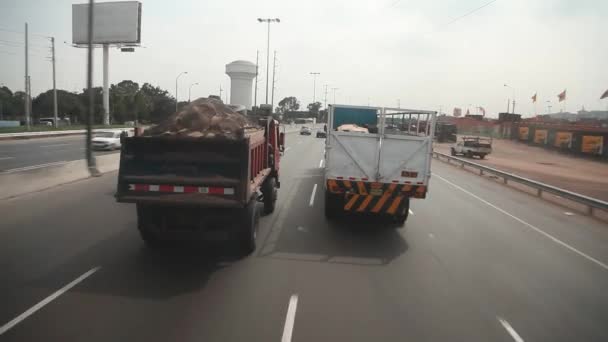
(201, 187)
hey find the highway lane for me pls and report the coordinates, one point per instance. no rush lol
(460, 269)
(16, 154)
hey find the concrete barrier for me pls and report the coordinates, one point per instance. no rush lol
(46, 134)
(24, 182)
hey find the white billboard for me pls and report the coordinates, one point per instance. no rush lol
(113, 23)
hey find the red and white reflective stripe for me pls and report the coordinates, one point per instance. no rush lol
(181, 189)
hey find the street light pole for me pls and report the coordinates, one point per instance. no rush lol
(314, 85)
(268, 20)
(334, 90)
(176, 79)
(190, 90)
(513, 107)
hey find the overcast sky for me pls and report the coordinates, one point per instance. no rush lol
(379, 51)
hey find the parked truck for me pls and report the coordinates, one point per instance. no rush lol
(372, 167)
(207, 187)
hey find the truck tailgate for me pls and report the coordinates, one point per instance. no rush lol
(200, 172)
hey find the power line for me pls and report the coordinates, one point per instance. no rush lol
(469, 13)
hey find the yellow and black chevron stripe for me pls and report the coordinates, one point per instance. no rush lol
(373, 197)
(375, 189)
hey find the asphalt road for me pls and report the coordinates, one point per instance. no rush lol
(35, 153)
(476, 261)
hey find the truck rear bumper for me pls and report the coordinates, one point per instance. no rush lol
(375, 198)
(181, 200)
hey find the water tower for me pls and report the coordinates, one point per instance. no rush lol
(241, 75)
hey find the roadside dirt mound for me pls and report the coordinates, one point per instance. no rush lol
(204, 117)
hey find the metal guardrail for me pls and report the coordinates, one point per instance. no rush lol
(590, 202)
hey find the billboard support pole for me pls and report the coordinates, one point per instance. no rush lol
(106, 90)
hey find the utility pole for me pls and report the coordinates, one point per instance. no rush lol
(508, 106)
(255, 93)
(27, 81)
(325, 101)
(274, 73)
(314, 85)
(54, 83)
(221, 93)
(513, 108)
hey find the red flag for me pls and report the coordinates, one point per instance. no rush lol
(534, 98)
(605, 95)
(562, 96)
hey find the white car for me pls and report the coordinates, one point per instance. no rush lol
(107, 140)
(472, 146)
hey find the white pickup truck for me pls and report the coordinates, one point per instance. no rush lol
(472, 146)
(376, 159)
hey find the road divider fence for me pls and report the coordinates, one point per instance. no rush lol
(593, 206)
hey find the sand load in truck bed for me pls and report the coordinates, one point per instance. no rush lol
(204, 118)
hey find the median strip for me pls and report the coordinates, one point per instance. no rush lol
(33, 167)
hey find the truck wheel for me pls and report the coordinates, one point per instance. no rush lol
(452, 151)
(469, 154)
(143, 225)
(482, 156)
(248, 228)
(333, 205)
(402, 217)
(269, 193)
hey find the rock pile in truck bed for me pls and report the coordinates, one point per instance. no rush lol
(204, 118)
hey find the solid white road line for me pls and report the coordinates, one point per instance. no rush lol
(312, 196)
(290, 318)
(411, 212)
(538, 230)
(33, 167)
(55, 145)
(45, 301)
(510, 329)
(5, 158)
(321, 163)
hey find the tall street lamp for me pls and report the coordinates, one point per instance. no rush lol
(190, 90)
(176, 79)
(513, 108)
(268, 20)
(334, 90)
(314, 85)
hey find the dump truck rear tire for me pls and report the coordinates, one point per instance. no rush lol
(143, 226)
(452, 151)
(248, 228)
(269, 193)
(482, 156)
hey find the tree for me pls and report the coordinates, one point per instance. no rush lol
(288, 104)
(313, 108)
(68, 105)
(161, 104)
